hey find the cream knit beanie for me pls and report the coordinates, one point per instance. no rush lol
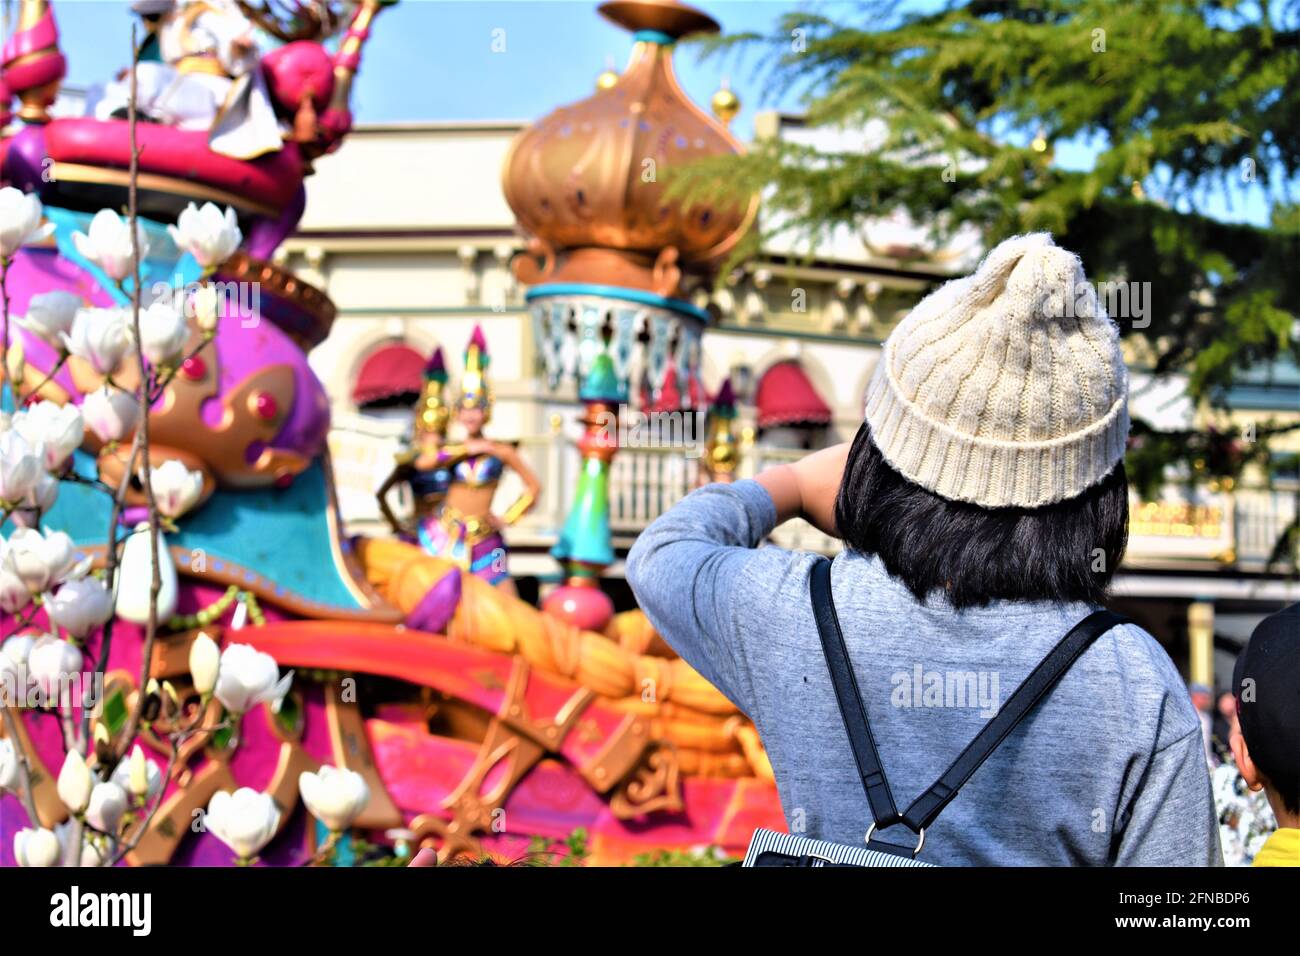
(1006, 387)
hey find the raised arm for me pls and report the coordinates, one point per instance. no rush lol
(807, 488)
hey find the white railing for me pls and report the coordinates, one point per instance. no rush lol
(1242, 526)
(1260, 518)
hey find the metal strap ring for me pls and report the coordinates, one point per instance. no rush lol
(920, 841)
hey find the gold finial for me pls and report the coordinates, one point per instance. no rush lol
(608, 78)
(725, 103)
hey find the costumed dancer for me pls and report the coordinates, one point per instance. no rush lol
(466, 531)
(207, 76)
(425, 465)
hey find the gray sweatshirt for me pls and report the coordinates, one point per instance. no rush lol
(1109, 769)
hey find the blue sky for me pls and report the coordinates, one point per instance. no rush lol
(433, 60)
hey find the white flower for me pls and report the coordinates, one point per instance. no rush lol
(95, 850)
(20, 466)
(135, 576)
(43, 494)
(8, 765)
(205, 304)
(205, 663)
(54, 431)
(111, 413)
(17, 649)
(36, 848)
(14, 595)
(75, 782)
(106, 807)
(206, 234)
(334, 796)
(245, 821)
(248, 677)
(41, 561)
(80, 606)
(162, 333)
(50, 314)
(176, 489)
(138, 775)
(107, 243)
(51, 664)
(100, 337)
(20, 220)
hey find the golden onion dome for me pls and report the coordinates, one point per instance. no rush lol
(593, 175)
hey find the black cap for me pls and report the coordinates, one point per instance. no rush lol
(1266, 683)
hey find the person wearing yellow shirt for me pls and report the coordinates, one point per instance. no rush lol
(1266, 743)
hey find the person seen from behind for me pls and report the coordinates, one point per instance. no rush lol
(983, 507)
(1266, 741)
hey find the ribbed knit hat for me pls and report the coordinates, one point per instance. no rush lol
(1006, 387)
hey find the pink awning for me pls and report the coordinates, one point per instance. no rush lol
(786, 397)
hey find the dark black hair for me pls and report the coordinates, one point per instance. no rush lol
(1066, 551)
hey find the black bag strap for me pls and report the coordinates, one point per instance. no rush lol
(852, 712)
(925, 808)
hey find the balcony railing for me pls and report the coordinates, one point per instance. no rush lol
(1238, 528)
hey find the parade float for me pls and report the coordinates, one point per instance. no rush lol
(467, 719)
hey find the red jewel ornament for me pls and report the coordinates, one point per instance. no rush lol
(264, 405)
(194, 368)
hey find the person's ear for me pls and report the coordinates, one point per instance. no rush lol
(1245, 766)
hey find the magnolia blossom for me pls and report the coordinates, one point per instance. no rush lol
(75, 782)
(106, 807)
(206, 305)
(100, 337)
(205, 663)
(138, 775)
(54, 431)
(41, 561)
(249, 677)
(245, 821)
(20, 466)
(111, 413)
(52, 663)
(80, 606)
(96, 850)
(176, 489)
(207, 234)
(334, 796)
(50, 315)
(42, 496)
(107, 243)
(135, 576)
(8, 765)
(36, 847)
(14, 595)
(162, 333)
(17, 649)
(20, 220)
